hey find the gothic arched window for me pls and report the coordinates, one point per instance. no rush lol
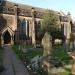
(23, 26)
(24, 29)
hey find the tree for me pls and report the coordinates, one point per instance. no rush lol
(50, 21)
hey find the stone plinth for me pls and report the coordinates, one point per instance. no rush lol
(47, 65)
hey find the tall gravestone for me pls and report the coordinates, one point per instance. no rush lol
(47, 46)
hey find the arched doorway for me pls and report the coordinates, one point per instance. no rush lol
(7, 37)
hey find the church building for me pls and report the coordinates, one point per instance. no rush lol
(21, 23)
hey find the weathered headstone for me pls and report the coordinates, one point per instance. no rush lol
(34, 62)
(19, 47)
(25, 50)
(47, 46)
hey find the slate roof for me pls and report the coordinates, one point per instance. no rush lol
(22, 9)
(22, 6)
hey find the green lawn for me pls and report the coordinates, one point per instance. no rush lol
(60, 52)
(27, 55)
(64, 73)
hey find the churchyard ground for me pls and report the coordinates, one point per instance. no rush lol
(58, 51)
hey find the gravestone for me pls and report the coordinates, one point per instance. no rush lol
(35, 61)
(47, 46)
(19, 47)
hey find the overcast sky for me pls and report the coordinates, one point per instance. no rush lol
(57, 5)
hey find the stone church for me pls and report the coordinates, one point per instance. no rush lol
(21, 23)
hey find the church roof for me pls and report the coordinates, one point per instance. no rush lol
(22, 9)
(22, 6)
(26, 10)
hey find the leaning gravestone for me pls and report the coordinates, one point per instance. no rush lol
(47, 46)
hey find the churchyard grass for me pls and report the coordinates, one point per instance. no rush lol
(58, 51)
(62, 55)
(29, 54)
(64, 73)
